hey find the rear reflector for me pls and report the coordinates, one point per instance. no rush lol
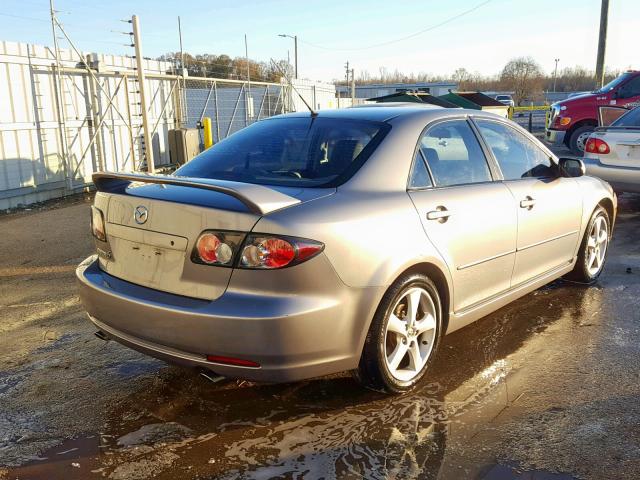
(238, 362)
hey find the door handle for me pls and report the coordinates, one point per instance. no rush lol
(440, 214)
(527, 202)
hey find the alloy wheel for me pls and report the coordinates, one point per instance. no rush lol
(597, 245)
(410, 334)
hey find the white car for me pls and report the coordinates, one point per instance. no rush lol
(613, 153)
(506, 99)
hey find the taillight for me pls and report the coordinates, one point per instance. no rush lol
(259, 251)
(97, 224)
(217, 248)
(595, 145)
(269, 252)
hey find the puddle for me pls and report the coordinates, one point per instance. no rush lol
(504, 472)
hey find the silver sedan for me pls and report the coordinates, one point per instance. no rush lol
(355, 239)
(613, 153)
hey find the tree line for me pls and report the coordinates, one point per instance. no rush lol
(223, 66)
(523, 76)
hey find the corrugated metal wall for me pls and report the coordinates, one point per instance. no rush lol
(33, 164)
(59, 127)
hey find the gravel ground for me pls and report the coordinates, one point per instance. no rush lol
(546, 388)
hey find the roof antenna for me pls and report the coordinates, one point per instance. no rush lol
(314, 114)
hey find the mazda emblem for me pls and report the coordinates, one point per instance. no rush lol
(141, 214)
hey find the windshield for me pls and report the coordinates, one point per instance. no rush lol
(613, 83)
(503, 97)
(629, 119)
(290, 151)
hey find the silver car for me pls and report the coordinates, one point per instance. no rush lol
(613, 153)
(354, 239)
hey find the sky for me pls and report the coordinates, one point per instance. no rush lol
(332, 32)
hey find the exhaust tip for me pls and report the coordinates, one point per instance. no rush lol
(212, 377)
(101, 335)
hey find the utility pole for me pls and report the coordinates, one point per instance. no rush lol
(295, 51)
(353, 87)
(602, 43)
(148, 147)
(346, 66)
(555, 75)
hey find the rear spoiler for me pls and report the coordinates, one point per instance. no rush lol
(260, 199)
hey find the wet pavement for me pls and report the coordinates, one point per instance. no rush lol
(546, 388)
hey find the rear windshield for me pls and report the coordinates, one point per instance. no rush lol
(290, 151)
(503, 97)
(629, 119)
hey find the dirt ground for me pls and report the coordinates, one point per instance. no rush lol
(546, 388)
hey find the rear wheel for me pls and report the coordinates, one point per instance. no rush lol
(403, 337)
(578, 139)
(593, 249)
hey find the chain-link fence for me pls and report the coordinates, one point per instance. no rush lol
(231, 104)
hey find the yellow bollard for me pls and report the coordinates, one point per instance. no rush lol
(208, 132)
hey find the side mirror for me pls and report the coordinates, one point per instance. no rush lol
(572, 167)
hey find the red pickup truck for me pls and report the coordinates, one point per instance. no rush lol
(571, 121)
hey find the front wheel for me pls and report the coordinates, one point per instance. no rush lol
(593, 249)
(578, 139)
(403, 337)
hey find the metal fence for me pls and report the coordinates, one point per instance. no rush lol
(231, 104)
(64, 117)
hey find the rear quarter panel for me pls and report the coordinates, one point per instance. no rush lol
(369, 239)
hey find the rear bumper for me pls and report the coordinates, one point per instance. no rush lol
(555, 137)
(292, 336)
(622, 179)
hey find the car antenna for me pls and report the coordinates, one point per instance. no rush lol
(314, 114)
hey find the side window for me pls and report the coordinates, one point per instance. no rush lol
(454, 155)
(631, 88)
(517, 156)
(419, 174)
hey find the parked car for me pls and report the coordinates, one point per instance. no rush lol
(506, 100)
(613, 153)
(571, 121)
(350, 239)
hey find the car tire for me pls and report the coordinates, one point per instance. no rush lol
(379, 368)
(578, 139)
(593, 248)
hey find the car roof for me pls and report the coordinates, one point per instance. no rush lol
(378, 112)
(387, 112)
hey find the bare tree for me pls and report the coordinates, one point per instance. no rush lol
(524, 77)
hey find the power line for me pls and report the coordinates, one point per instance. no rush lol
(389, 42)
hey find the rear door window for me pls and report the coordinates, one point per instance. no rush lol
(289, 151)
(454, 155)
(517, 156)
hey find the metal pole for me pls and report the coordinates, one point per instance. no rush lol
(555, 75)
(602, 43)
(295, 53)
(184, 90)
(353, 87)
(66, 158)
(247, 93)
(148, 147)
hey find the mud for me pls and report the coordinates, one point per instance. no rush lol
(546, 388)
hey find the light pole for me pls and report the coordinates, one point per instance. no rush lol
(555, 75)
(295, 51)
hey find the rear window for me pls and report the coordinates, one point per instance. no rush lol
(629, 119)
(290, 151)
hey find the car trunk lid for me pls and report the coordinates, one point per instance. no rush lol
(154, 250)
